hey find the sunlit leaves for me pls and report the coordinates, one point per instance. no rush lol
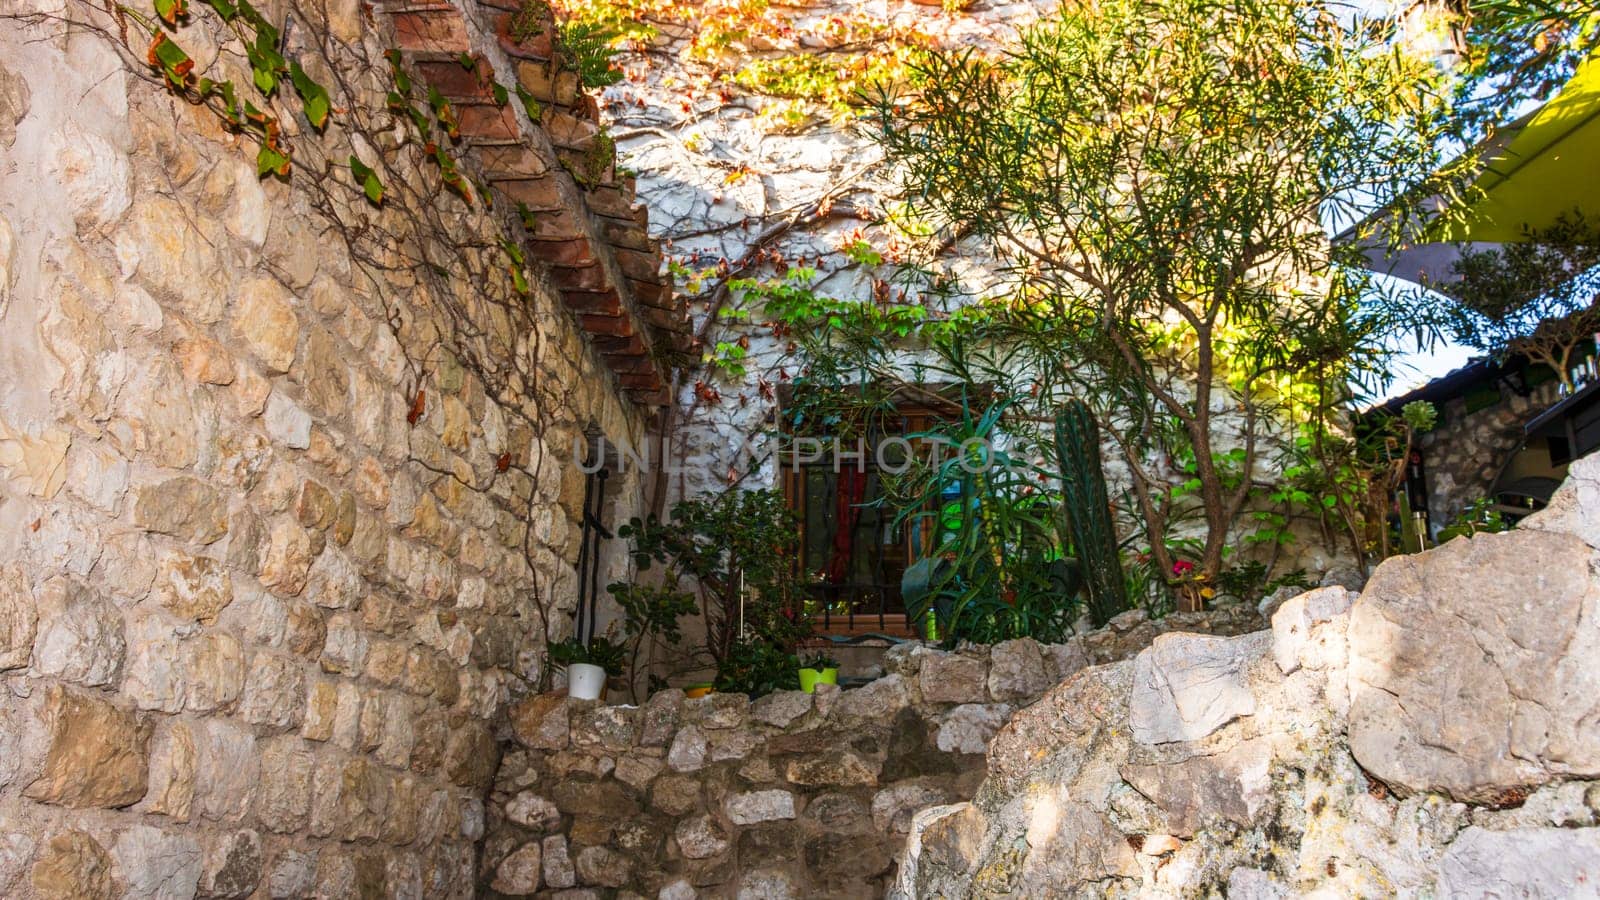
(313, 95)
(171, 11)
(444, 113)
(171, 61)
(271, 160)
(530, 103)
(368, 179)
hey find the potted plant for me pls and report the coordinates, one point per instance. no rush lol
(818, 668)
(588, 665)
(731, 557)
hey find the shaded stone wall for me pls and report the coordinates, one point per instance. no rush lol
(792, 795)
(286, 513)
(1466, 452)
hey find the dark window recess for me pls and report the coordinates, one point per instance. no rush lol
(852, 552)
(593, 532)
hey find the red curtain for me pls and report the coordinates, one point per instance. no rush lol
(852, 491)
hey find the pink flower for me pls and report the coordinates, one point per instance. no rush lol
(1182, 567)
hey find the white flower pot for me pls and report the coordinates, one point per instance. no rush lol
(585, 681)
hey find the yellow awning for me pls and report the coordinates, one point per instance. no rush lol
(1549, 166)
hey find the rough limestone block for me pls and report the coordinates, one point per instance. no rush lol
(1522, 862)
(1473, 666)
(1185, 686)
(1295, 641)
(752, 807)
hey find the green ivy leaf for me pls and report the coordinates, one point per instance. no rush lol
(466, 61)
(171, 11)
(500, 95)
(530, 104)
(370, 185)
(174, 64)
(313, 95)
(443, 112)
(227, 11)
(271, 161)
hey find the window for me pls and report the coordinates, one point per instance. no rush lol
(851, 548)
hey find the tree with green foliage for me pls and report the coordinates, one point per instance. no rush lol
(1510, 52)
(1538, 299)
(1155, 173)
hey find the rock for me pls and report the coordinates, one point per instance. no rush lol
(293, 874)
(678, 890)
(675, 795)
(876, 701)
(759, 806)
(1017, 670)
(156, 864)
(700, 838)
(230, 770)
(234, 866)
(1296, 620)
(194, 587)
(285, 789)
(80, 635)
(19, 618)
(518, 874)
(688, 751)
(894, 806)
(73, 866)
(1065, 660)
(1467, 685)
(558, 870)
(840, 865)
(184, 507)
(173, 766)
(660, 717)
(969, 728)
(717, 710)
(287, 562)
(780, 708)
(540, 722)
(1231, 785)
(638, 771)
(264, 322)
(1254, 884)
(1522, 862)
(98, 754)
(1185, 686)
(839, 812)
(603, 866)
(534, 811)
(15, 851)
(611, 728)
(287, 422)
(952, 678)
(841, 768)
(767, 884)
(274, 693)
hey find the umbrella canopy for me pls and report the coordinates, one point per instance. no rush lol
(1543, 165)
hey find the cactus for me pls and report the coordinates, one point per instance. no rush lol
(1088, 510)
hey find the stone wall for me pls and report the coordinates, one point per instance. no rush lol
(790, 795)
(284, 475)
(1434, 736)
(1467, 451)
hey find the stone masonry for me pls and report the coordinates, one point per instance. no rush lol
(791, 795)
(287, 514)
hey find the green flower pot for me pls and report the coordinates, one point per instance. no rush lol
(810, 678)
